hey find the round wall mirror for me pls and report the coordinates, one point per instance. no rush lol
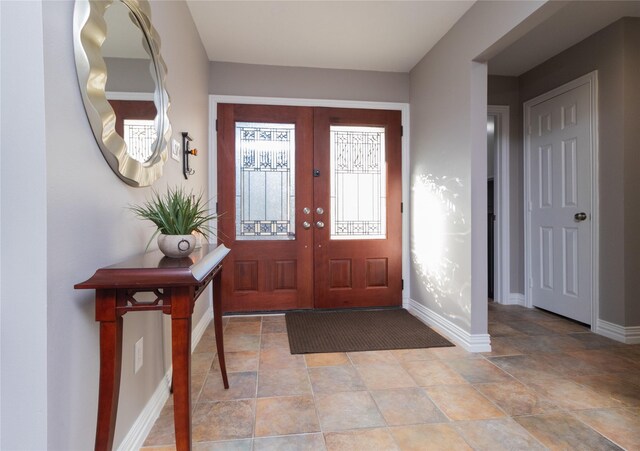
(121, 75)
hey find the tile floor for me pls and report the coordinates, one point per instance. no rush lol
(548, 384)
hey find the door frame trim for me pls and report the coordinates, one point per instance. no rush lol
(502, 246)
(214, 100)
(592, 80)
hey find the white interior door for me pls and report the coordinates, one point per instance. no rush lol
(560, 147)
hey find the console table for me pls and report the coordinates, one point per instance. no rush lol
(176, 283)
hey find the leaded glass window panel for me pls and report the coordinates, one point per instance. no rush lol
(358, 183)
(140, 134)
(265, 181)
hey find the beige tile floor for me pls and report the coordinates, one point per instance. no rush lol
(548, 384)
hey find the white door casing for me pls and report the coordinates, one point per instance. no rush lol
(502, 271)
(560, 131)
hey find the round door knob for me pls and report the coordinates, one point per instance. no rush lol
(580, 216)
(306, 225)
(306, 210)
(319, 210)
(320, 225)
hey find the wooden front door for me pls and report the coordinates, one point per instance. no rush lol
(311, 204)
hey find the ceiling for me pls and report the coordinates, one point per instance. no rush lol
(367, 35)
(570, 25)
(389, 35)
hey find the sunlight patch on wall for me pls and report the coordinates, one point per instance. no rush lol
(439, 230)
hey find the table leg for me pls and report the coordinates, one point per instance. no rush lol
(110, 365)
(181, 357)
(217, 322)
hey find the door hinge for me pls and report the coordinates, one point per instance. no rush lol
(216, 124)
(401, 207)
(403, 284)
(216, 207)
(401, 130)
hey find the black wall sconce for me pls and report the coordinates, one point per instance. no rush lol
(186, 170)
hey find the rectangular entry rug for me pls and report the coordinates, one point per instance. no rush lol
(362, 330)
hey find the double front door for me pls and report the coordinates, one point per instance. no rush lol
(311, 207)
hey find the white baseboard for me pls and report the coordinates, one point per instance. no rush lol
(198, 331)
(513, 299)
(470, 342)
(516, 299)
(628, 335)
(142, 426)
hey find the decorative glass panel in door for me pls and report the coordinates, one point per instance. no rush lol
(358, 183)
(265, 181)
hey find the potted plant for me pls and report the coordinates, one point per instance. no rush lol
(176, 214)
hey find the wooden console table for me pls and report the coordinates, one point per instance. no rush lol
(176, 283)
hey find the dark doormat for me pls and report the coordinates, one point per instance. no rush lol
(362, 330)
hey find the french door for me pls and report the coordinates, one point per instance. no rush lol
(311, 207)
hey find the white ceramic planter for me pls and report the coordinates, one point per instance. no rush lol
(176, 246)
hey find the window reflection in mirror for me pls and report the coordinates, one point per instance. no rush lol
(130, 85)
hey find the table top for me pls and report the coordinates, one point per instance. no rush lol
(153, 269)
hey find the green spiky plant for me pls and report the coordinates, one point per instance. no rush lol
(176, 213)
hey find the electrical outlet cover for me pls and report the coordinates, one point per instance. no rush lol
(175, 149)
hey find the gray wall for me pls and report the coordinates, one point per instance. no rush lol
(307, 83)
(505, 91)
(448, 162)
(23, 208)
(129, 75)
(72, 212)
(632, 170)
(604, 51)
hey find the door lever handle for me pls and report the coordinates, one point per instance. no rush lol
(579, 217)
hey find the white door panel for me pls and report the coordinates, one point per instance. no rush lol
(560, 187)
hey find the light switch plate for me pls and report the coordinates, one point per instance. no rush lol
(175, 149)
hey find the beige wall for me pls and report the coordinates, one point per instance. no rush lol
(307, 83)
(88, 224)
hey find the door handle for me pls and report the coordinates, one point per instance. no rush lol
(320, 225)
(579, 217)
(319, 210)
(306, 225)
